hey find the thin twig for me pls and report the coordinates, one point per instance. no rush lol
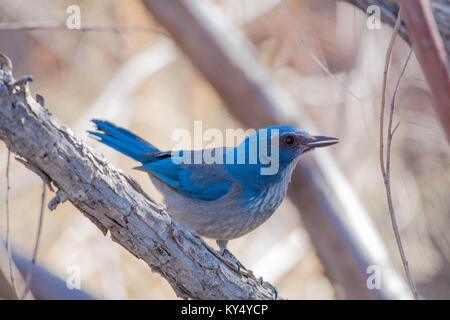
(36, 244)
(391, 115)
(383, 91)
(8, 226)
(386, 168)
(312, 55)
(49, 25)
(387, 183)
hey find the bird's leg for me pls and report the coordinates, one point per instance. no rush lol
(222, 246)
(223, 250)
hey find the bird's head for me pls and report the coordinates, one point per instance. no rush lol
(294, 142)
(281, 145)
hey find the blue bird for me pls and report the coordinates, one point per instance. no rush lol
(230, 196)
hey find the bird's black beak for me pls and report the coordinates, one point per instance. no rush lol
(320, 141)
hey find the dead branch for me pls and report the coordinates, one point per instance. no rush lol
(6, 288)
(431, 54)
(386, 167)
(115, 203)
(383, 91)
(387, 182)
(8, 229)
(45, 285)
(29, 276)
(312, 55)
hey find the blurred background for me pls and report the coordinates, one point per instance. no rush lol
(79, 74)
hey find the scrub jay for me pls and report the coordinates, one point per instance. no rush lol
(230, 191)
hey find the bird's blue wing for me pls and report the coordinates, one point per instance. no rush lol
(198, 181)
(123, 140)
(207, 182)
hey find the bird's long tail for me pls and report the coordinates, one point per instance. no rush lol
(123, 140)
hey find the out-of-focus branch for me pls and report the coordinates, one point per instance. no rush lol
(29, 276)
(12, 280)
(115, 203)
(388, 11)
(45, 285)
(329, 207)
(311, 53)
(431, 54)
(387, 61)
(85, 27)
(6, 289)
(386, 166)
(112, 103)
(427, 28)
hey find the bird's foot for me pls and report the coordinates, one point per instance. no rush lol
(223, 251)
(21, 82)
(230, 256)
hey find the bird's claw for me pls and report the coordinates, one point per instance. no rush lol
(224, 251)
(21, 81)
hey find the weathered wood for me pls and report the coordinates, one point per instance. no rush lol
(115, 203)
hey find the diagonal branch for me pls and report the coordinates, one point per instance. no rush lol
(431, 54)
(115, 203)
(8, 227)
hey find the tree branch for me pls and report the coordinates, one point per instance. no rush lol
(29, 276)
(426, 28)
(441, 12)
(431, 54)
(115, 203)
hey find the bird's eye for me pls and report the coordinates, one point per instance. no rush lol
(289, 139)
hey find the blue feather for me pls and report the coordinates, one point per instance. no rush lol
(123, 140)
